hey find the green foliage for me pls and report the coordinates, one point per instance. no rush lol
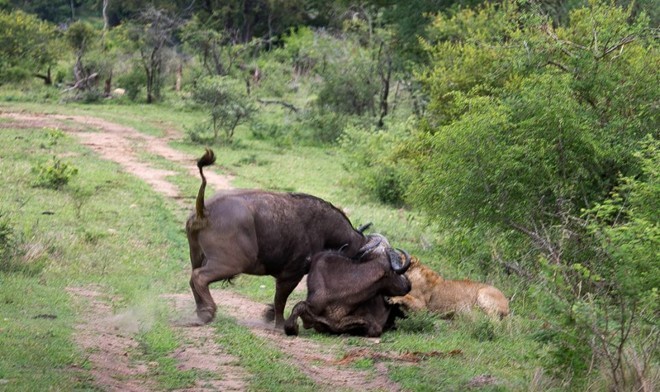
(151, 35)
(305, 49)
(133, 82)
(227, 104)
(375, 163)
(527, 126)
(28, 45)
(626, 225)
(54, 174)
(509, 134)
(349, 85)
(321, 127)
(7, 242)
(80, 36)
(56, 11)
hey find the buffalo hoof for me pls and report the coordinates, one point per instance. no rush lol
(194, 321)
(291, 329)
(268, 314)
(205, 316)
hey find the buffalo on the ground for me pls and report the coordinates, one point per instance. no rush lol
(348, 296)
(262, 233)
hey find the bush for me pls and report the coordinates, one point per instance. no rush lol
(374, 164)
(227, 104)
(54, 174)
(6, 237)
(349, 85)
(13, 253)
(132, 82)
(320, 126)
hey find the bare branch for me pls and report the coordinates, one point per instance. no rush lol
(558, 65)
(624, 41)
(276, 102)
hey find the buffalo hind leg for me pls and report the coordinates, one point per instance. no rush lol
(200, 280)
(291, 324)
(283, 288)
(197, 259)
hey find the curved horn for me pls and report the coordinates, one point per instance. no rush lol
(364, 227)
(372, 244)
(406, 264)
(395, 260)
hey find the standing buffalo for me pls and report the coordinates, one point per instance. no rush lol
(345, 295)
(261, 233)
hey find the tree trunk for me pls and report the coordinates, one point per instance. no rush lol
(385, 78)
(179, 77)
(104, 11)
(47, 78)
(150, 87)
(107, 89)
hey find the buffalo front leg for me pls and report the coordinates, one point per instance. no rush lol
(283, 288)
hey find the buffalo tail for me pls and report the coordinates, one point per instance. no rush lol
(206, 160)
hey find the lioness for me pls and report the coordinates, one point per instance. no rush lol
(447, 297)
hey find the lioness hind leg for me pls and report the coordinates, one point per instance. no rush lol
(493, 302)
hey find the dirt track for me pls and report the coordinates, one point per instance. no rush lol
(108, 338)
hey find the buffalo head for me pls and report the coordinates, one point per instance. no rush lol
(377, 246)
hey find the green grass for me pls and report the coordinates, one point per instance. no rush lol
(156, 345)
(269, 369)
(35, 328)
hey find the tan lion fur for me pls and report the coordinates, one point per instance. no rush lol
(447, 297)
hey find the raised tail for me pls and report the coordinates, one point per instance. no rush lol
(206, 160)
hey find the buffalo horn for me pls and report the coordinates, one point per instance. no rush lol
(372, 244)
(364, 227)
(395, 260)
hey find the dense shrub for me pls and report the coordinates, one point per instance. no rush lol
(349, 86)
(54, 173)
(375, 163)
(529, 126)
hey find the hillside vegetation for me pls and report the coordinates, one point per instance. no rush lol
(513, 142)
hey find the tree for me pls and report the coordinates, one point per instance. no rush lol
(227, 104)
(81, 37)
(152, 33)
(528, 126)
(56, 11)
(215, 49)
(528, 120)
(29, 46)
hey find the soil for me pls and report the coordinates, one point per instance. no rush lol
(109, 339)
